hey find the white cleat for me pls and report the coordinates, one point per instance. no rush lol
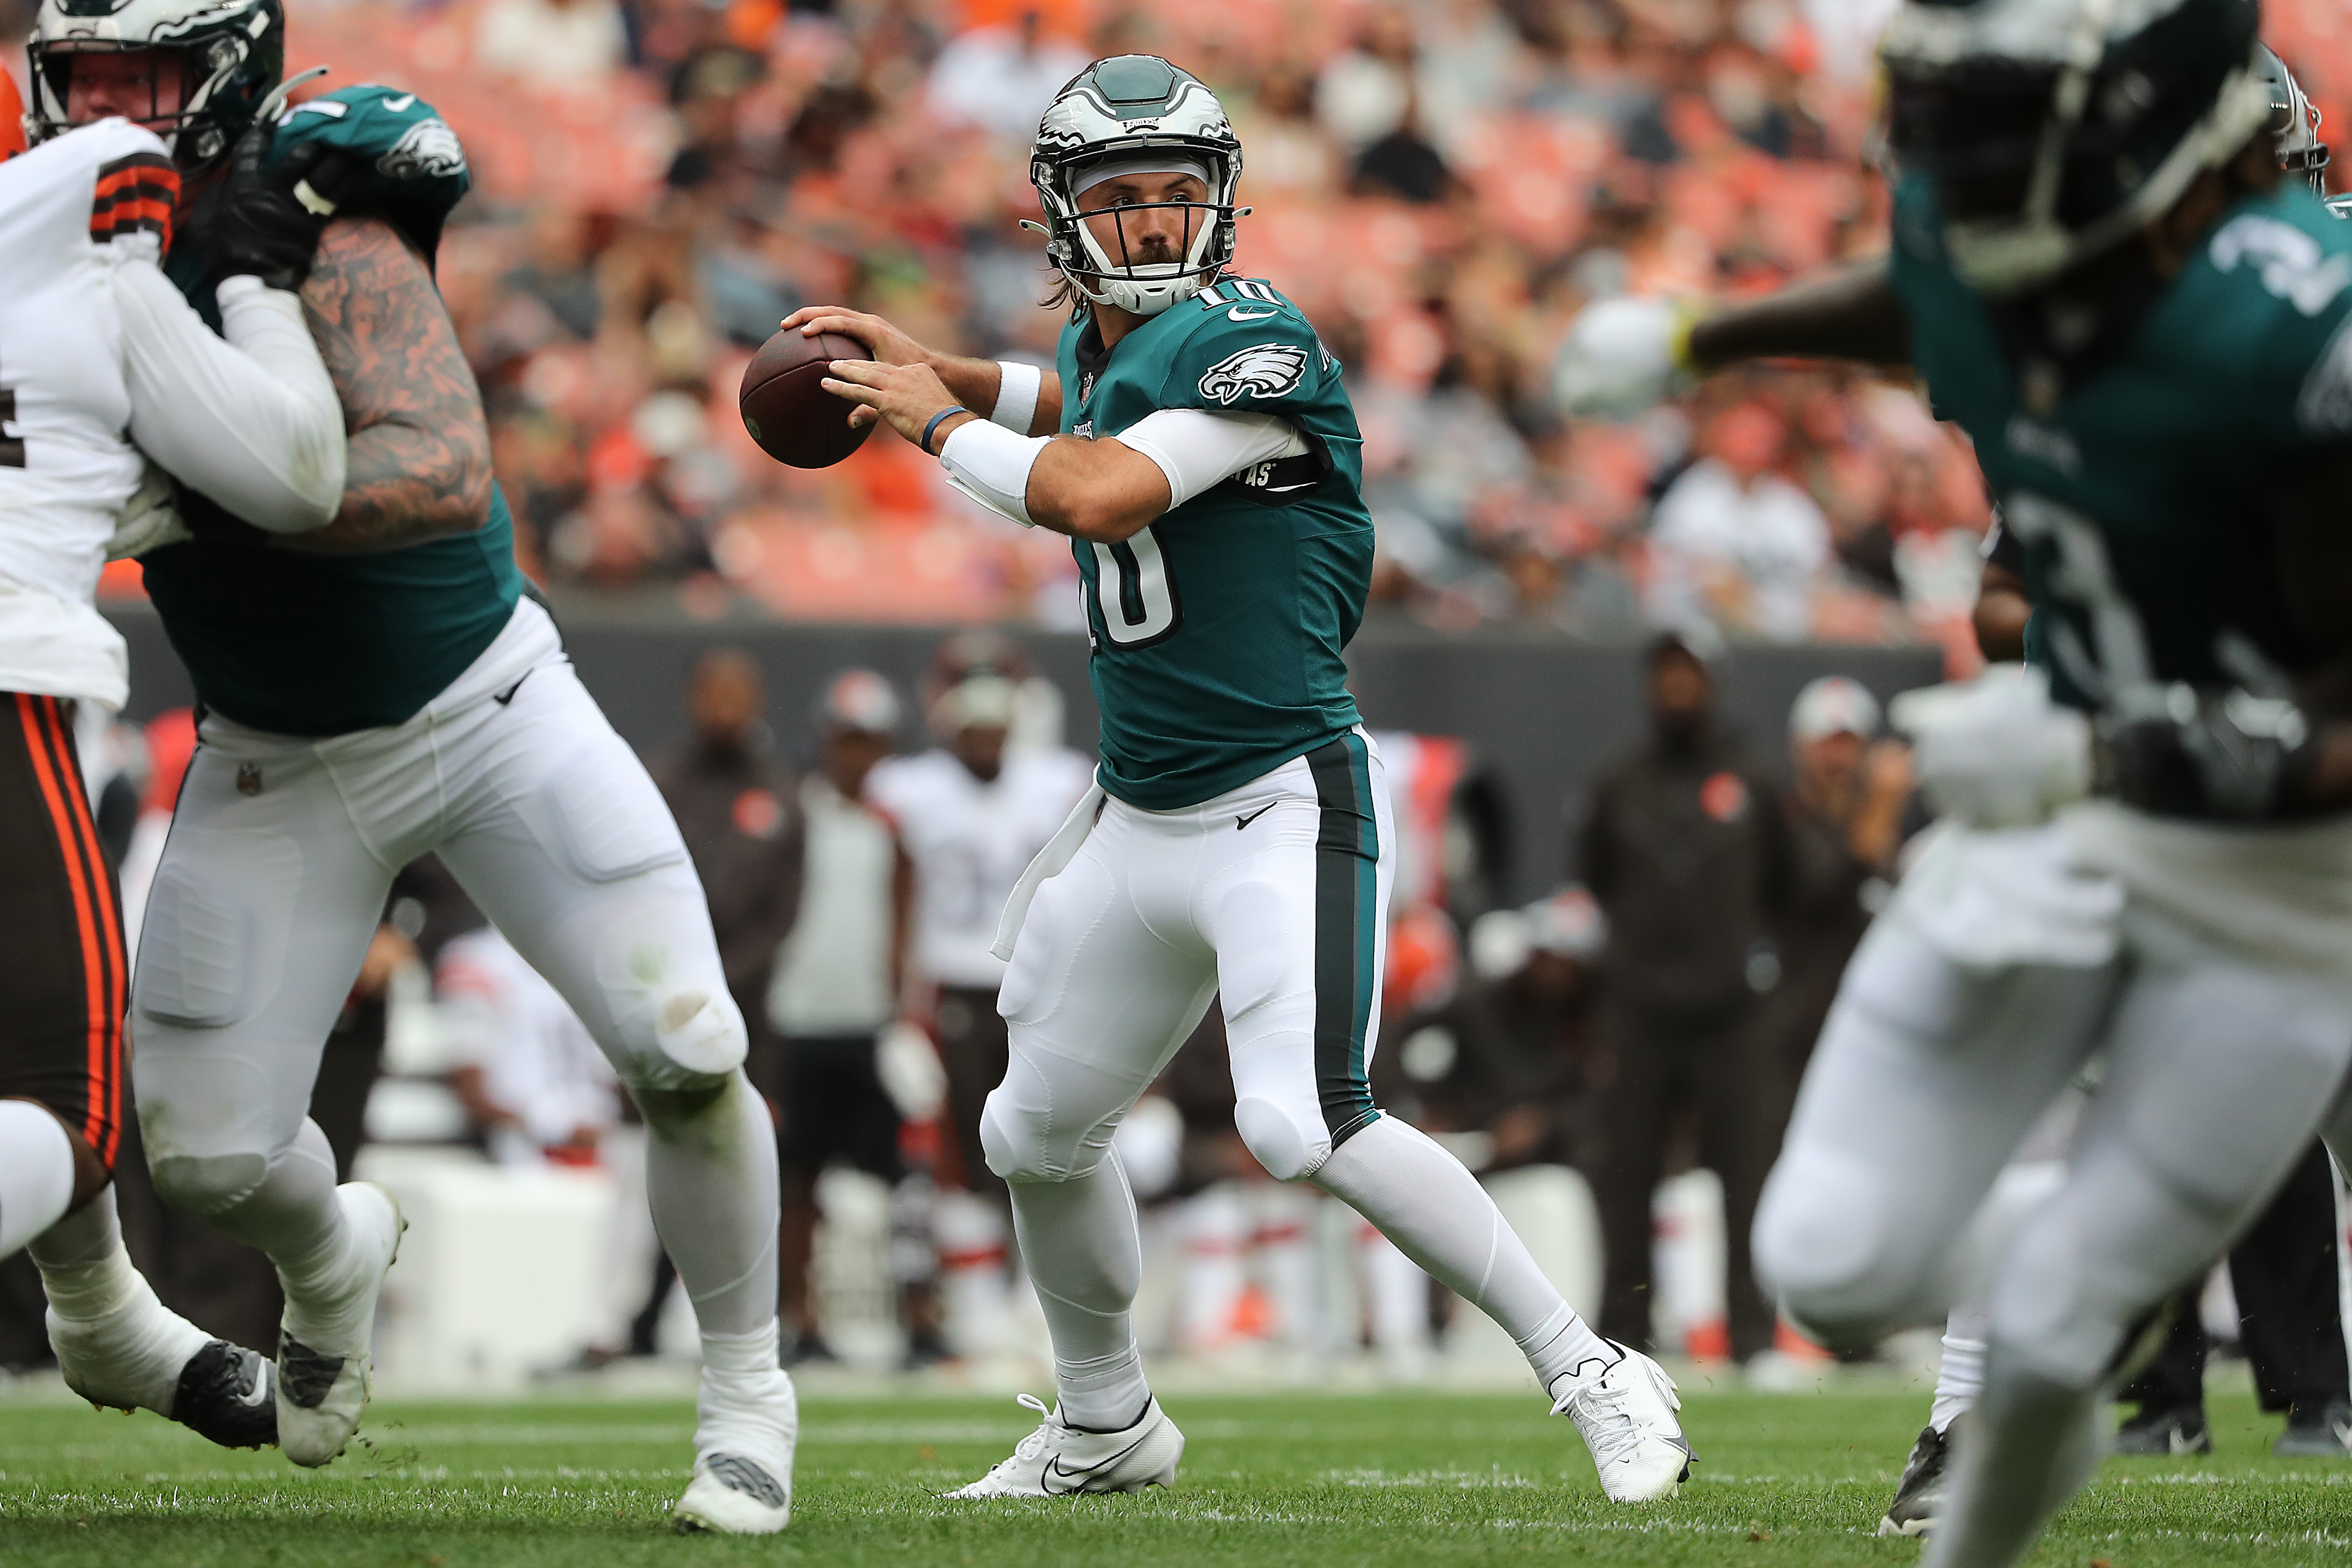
(1058, 1460)
(1626, 1412)
(324, 1369)
(750, 1425)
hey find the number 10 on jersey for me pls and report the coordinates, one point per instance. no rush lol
(1133, 592)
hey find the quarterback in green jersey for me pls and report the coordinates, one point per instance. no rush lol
(1195, 440)
(2101, 272)
(375, 690)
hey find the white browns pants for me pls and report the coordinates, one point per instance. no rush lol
(1277, 893)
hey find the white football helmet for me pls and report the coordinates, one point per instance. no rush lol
(233, 53)
(1130, 106)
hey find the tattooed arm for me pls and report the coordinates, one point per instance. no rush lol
(420, 450)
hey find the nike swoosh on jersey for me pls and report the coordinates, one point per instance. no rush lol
(1244, 822)
(1057, 1470)
(400, 105)
(1238, 314)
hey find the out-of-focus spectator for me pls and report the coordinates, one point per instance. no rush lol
(531, 1077)
(1734, 542)
(972, 813)
(569, 46)
(838, 980)
(1504, 1058)
(742, 826)
(1001, 78)
(1845, 815)
(1686, 849)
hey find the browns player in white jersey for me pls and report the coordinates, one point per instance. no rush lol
(95, 342)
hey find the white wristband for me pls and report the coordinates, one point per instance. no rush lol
(1016, 395)
(991, 465)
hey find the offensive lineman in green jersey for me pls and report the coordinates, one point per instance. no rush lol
(1238, 837)
(375, 692)
(2100, 274)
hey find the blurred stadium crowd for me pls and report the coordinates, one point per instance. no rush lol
(1440, 183)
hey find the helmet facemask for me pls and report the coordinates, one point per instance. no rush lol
(1138, 266)
(2294, 121)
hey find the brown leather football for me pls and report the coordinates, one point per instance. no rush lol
(787, 409)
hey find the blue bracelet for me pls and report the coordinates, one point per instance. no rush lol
(943, 414)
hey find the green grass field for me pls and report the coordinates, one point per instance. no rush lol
(1408, 1480)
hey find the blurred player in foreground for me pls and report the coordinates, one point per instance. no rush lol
(1238, 837)
(2102, 275)
(98, 351)
(375, 690)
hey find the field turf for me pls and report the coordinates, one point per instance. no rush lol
(1331, 1481)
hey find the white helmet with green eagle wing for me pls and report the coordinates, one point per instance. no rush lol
(1135, 114)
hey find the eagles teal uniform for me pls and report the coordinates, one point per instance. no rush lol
(2137, 493)
(1217, 631)
(311, 645)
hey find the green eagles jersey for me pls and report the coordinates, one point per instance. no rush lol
(317, 644)
(1216, 632)
(2136, 492)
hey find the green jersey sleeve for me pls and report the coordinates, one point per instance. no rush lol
(1250, 352)
(412, 165)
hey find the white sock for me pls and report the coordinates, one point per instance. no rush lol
(1425, 1201)
(37, 1172)
(1959, 1379)
(107, 1325)
(711, 1179)
(1084, 1251)
(748, 1354)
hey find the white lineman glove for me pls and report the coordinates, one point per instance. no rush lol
(1995, 751)
(1625, 355)
(151, 517)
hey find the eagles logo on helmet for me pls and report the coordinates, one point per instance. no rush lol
(231, 53)
(1133, 106)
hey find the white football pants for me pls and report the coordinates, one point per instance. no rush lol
(1275, 892)
(2219, 1067)
(270, 888)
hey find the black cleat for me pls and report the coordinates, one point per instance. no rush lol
(1919, 1495)
(2165, 1432)
(225, 1394)
(2320, 1433)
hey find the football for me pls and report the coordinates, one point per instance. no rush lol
(785, 405)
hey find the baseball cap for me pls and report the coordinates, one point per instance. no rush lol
(1833, 705)
(859, 700)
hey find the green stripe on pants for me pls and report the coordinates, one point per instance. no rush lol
(1346, 905)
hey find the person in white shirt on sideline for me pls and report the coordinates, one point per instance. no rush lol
(972, 813)
(838, 981)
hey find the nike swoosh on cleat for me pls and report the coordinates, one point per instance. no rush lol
(1244, 822)
(1057, 1470)
(305, 1375)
